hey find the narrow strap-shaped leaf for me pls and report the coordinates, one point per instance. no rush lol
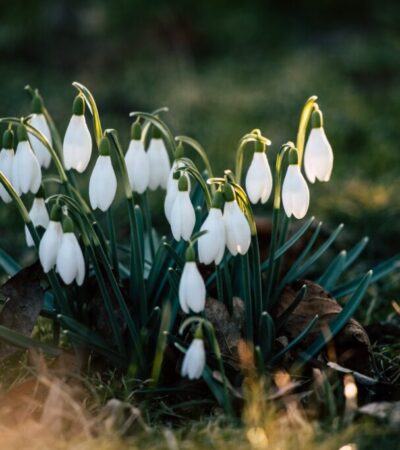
(283, 318)
(178, 260)
(355, 252)
(328, 279)
(340, 321)
(294, 342)
(27, 343)
(266, 334)
(9, 265)
(173, 280)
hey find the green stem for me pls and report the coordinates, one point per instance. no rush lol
(148, 222)
(113, 242)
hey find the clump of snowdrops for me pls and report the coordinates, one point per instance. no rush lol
(152, 292)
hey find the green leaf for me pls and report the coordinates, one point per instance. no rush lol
(165, 325)
(355, 252)
(9, 265)
(27, 343)
(266, 334)
(283, 318)
(329, 278)
(340, 321)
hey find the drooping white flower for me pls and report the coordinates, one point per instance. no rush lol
(318, 154)
(39, 216)
(194, 360)
(38, 121)
(159, 162)
(137, 161)
(259, 178)
(183, 217)
(77, 145)
(192, 289)
(237, 228)
(295, 192)
(211, 245)
(26, 172)
(6, 163)
(172, 190)
(103, 182)
(70, 260)
(51, 240)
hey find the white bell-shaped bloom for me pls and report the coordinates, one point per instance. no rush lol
(159, 164)
(137, 165)
(183, 217)
(295, 192)
(6, 164)
(77, 145)
(39, 122)
(70, 260)
(237, 229)
(172, 190)
(192, 290)
(318, 156)
(194, 360)
(26, 172)
(103, 183)
(39, 216)
(50, 244)
(211, 245)
(259, 178)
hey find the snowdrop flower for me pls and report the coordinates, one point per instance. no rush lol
(26, 172)
(295, 193)
(172, 191)
(6, 162)
(39, 216)
(194, 360)
(103, 182)
(259, 176)
(183, 217)
(237, 228)
(70, 261)
(159, 162)
(211, 245)
(39, 122)
(137, 161)
(51, 240)
(77, 145)
(318, 155)
(192, 290)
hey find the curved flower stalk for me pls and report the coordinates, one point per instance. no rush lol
(259, 176)
(39, 216)
(70, 261)
(295, 192)
(51, 240)
(38, 121)
(77, 145)
(137, 161)
(194, 360)
(192, 289)
(183, 217)
(211, 245)
(6, 162)
(26, 172)
(318, 155)
(103, 182)
(237, 228)
(160, 166)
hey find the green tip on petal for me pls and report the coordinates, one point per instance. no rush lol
(317, 119)
(78, 107)
(40, 193)
(199, 332)
(190, 254)
(156, 133)
(180, 151)
(68, 225)
(136, 131)
(259, 147)
(183, 183)
(8, 139)
(37, 104)
(104, 147)
(22, 133)
(56, 213)
(293, 156)
(229, 193)
(218, 200)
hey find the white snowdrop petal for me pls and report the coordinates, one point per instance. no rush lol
(195, 289)
(28, 238)
(176, 222)
(172, 190)
(80, 263)
(211, 245)
(183, 291)
(159, 164)
(49, 245)
(194, 360)
(39, 122)
(295, 193)
(138, 166)
(66, 266)
(77, 145)
(188, 218)
(259, 179)
(237, 228)
(106, 183)
(6, 166)
(318, 156)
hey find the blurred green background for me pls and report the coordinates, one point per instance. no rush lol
(223, 68)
